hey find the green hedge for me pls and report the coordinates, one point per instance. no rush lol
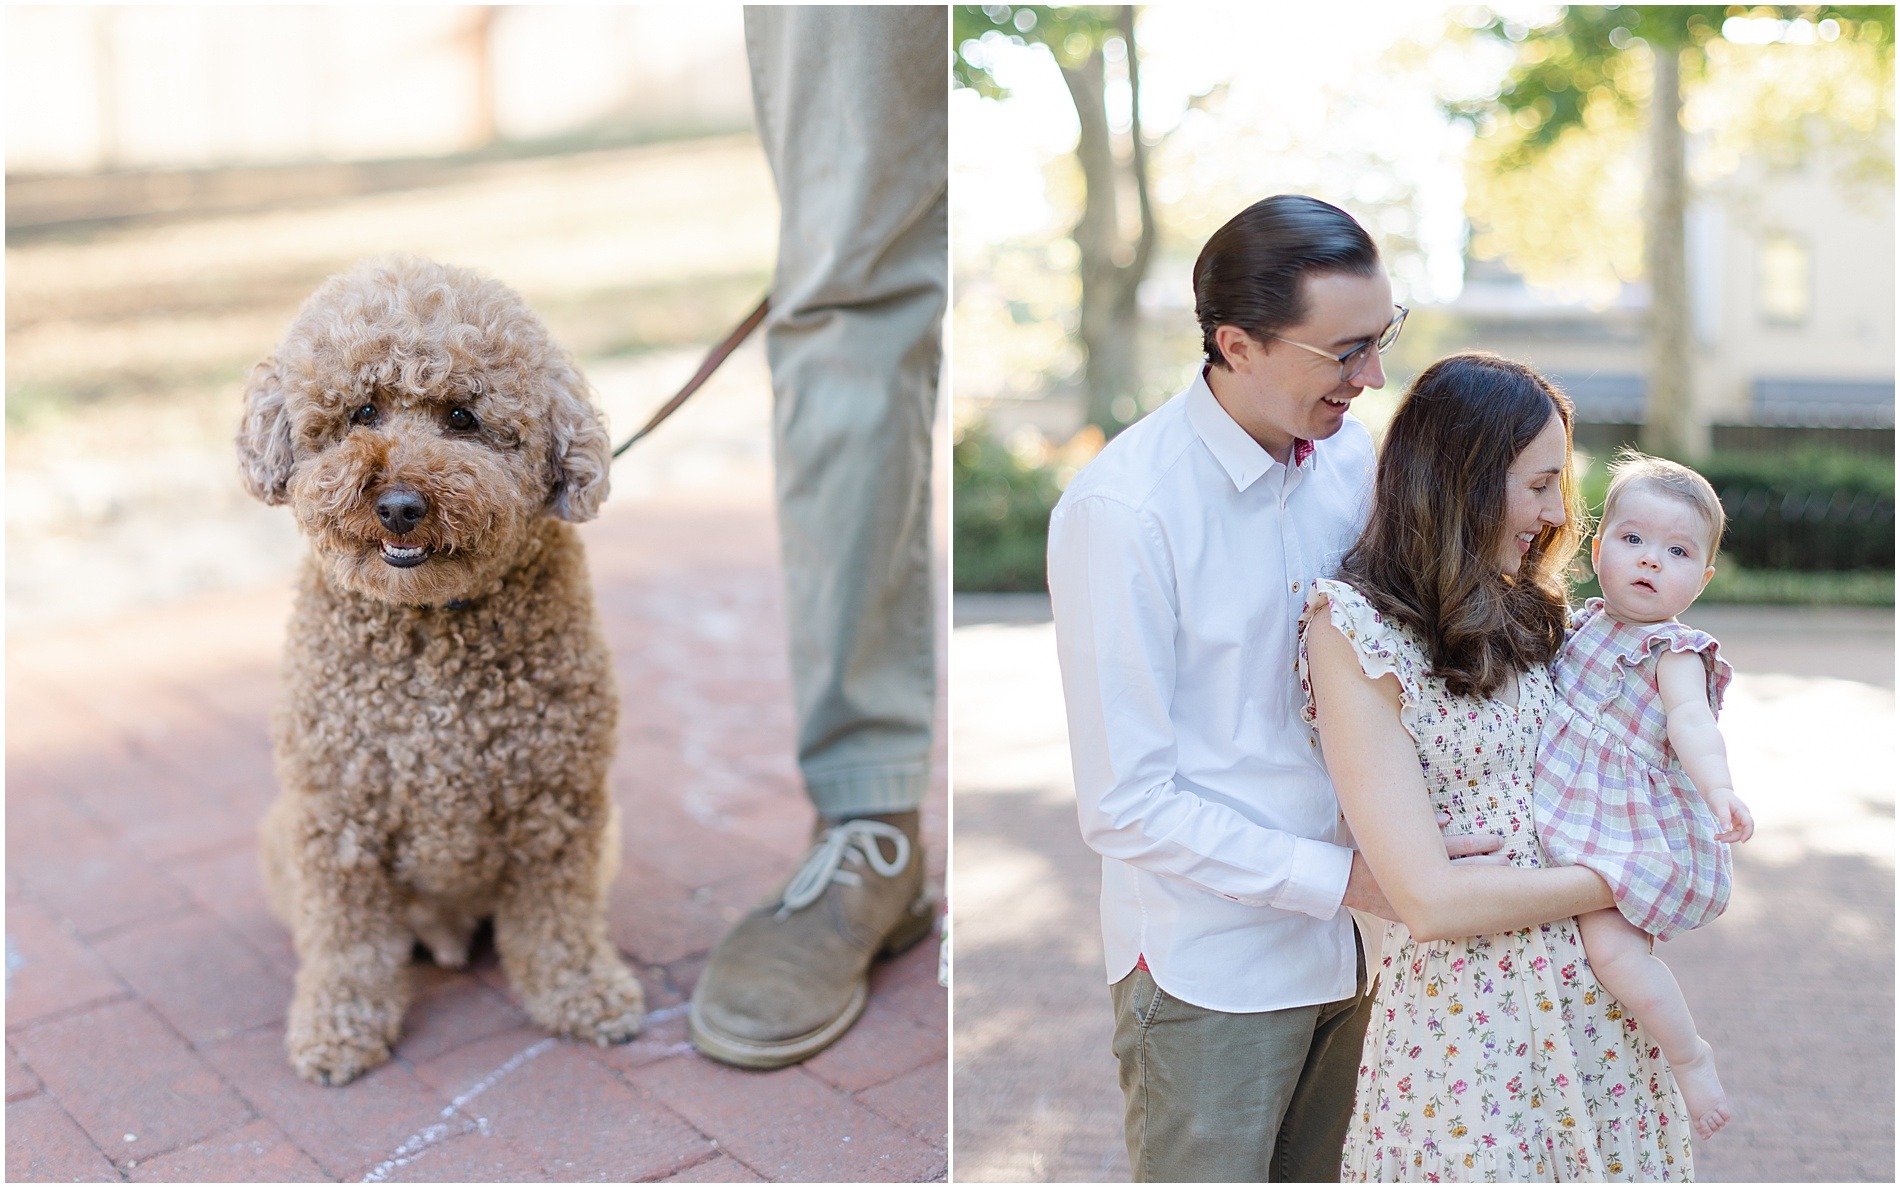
(1001, 516)
(1806, 528)
(1735, 585)
(1806, 511)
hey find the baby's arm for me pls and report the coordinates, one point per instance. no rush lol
(1683, 681)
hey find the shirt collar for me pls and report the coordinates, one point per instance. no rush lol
(1234, 448)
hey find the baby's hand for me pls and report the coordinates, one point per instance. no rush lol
(1738, 825)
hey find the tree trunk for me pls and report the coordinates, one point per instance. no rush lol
(478, 45)
(105, 76)
(1674, 426)
(1148, 232)
(1111, 266)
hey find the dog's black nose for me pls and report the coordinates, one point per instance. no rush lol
(401, 509)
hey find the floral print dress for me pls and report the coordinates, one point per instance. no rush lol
(1492, 1058)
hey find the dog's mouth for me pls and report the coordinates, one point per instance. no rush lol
(405, 556)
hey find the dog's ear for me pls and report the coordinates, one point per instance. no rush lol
(579, 454)
(263, 440)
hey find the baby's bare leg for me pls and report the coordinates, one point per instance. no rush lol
(1619, 954)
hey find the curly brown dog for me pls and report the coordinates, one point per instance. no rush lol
(449, 716)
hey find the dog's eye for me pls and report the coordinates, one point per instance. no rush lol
(461, 419)
(365, 415)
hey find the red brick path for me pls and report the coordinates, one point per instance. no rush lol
(147, 980)
(1793, 987)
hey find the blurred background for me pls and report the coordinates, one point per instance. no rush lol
(1684, 215)
(1702, 257)
(180, 178)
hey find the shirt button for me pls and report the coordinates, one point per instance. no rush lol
(1296, 587)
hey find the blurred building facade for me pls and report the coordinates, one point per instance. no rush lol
(99, 89)
(1792, 293)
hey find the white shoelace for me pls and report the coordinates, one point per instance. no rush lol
(853, 842)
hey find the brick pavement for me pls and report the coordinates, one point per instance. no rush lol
(1794, 986)
(147, 980)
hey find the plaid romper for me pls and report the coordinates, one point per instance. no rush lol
(1610, 794)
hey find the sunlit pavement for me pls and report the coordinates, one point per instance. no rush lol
(147, 980)
(1794, 986)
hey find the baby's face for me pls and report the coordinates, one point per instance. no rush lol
(1652, 557)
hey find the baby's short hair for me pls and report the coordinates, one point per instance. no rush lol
(1631, 470)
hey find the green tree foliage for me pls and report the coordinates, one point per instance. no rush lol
(1072, 35)
(1568, 72)
(1001, 516)
(1589, 69)
(1556, 180)
(1556, 176)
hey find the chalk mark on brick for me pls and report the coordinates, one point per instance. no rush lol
(413, 1147)
(665, 1013)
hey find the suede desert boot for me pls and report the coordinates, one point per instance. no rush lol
(791, 976)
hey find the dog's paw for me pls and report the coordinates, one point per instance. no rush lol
(334, 1037)
(336, 1061)
(606, 1007)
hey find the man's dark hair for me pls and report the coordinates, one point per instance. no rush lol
(1251, 273)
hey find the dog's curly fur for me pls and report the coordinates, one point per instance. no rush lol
(449, 711)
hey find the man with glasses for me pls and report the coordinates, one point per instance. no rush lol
(1179, 561)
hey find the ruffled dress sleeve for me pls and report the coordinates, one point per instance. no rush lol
(1680, 637)
(1381, 647)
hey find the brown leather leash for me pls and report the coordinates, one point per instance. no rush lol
(713, 359)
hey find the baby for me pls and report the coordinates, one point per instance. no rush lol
(1632, 775)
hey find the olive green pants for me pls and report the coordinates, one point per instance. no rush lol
(1214, 1097)
(852, 112)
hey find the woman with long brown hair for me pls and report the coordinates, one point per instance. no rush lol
(1493, 1053)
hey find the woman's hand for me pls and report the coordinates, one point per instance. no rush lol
(1475, 849)
(1362, 886)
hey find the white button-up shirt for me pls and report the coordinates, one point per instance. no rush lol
(1179, 561)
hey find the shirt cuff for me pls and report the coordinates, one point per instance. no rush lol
(1316, 880)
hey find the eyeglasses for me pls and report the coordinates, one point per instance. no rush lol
(1354, 361)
